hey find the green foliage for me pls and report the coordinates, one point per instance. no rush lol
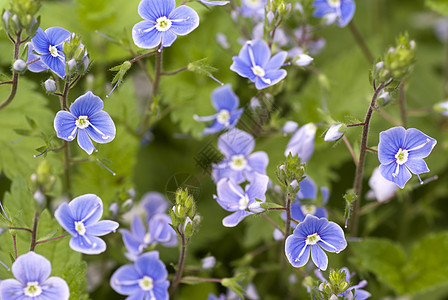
(440, 6)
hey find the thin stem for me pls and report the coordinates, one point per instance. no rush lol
(371, 150)
(15, 245)
(21, 228)
(273, 223)
(52, 239)
(33, 61)
(357, 186)
(347, 143)
(156, 83)
(6, 82)
(201, 280)
(174, 72)
(34, 233)
(143, 55)
(288, 216)
(180, 266)
(403, 102)
(277, 208)
(15, 76)
(65, 94)
(142, 66)
(360, 41)
(74, 81)
(355, 125)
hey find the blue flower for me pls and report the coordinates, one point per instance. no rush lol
(214, 3)
(314, 235)
(253, 8)
(255, 63)
(302, 142)
(239, 164)
(226, 103)
(32, 271)
(145, 279)
(87, 118)
(353, 292)
(154, 203)
(80, 218)
(401, 151)
(163, 23)
(339, 11)
(232, 197)
(308, 190)
(48, 45)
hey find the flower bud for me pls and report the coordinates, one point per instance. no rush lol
(303, 60)
(289, 127)
(50, 85)
(6, 16)
(19, 65)
(208, 262)
(335, 132)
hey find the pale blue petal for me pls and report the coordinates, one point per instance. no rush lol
(417, 166)
(322, 8)
(125, 280)
(54, 288)
(139, 295)
(229, 194)
(235, 116)
(235, 142)
(297, 252)
(31, 267)
(146, 40)
(302, 142)
(325, 194)
(153, 9)
(390, 142)
(214, 128)
(154, 203)
(310, 225)
(133, 245)
(12, 289)
(224, 171)
(63, 215)
(332, 238)
(307, 189)
(40, 42)
(101, 228)
(257, 188)
(56, 35)
(261, 52)
(258, 161)
(319, 257)
(37, 66)
(102, 122)
(160, 290)
(160, 229)
(274, 76)
(184, 20)
(421, 144)
(87, 244)
(56, 64)
(347, 12)
(242, 68)
(64, 124)
(403, 175)
(168, 38)
(296, 212)
(235, 218)
(87, 208)
(361, 294)
(84, 141)
(276, 61)
(321, 212)
(150, 265)
(214, 3)
(86, 105)
(224, 98)
(138, 228)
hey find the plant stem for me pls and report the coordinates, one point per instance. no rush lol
(34, 232)
(357, 186)
(201, 280)
(174, 72)
(143, 55)
(180, 266)
(288, 216)
(21, 228)
(360, 41)
(403, 102)
(347, 143)
(15, 76)
(15, 245)
(52, 239)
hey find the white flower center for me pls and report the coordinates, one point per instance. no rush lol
(243, 202)
(253, 3)
(32, 289)
(401, 156)
(82, 122)
(312, 239)
(238, 162)
(53, 51)
(146, 283)
(308, 209)
(163, 24)
(147, 238)
(334, 3)
(223, 116)
(258, 71)
(80, 228)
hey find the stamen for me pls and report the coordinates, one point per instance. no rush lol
(205, 118)
(301, 253)
(104, 166)
(103, 136)
(91, 212)
(72, 135)
(1, 206)
(211, 76)
(115, 86)
(251, 54)
(395, 174)
(420, 146)
(37, 155)
(4, 265)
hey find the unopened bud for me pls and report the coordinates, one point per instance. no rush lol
(19, 65)
(50, 85)
(335, 132)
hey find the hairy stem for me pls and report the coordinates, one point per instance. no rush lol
(52, 239)
(180, 266)
(15, 76)
(34, 232)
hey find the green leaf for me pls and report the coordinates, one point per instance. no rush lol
(268, 205)
(440, 6)
(232, 284)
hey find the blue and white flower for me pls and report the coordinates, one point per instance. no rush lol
(302, 142)
(87, 119)
(401, 151)
(308, 191)
(339, 11)
(80, 218)
(163, 23)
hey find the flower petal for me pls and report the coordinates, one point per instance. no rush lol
(271, 78)
(150, 265)
(347, 13)
(153, 9)
(302, 142)
(56, 35)
(146, 39)
(138, 228)
(390, 142)
(276, 61)
(132, 244)
(308, 189)
(214, 128)
(154, 203)
(261, 52)
(11, 289)
(257, 188)
(55, 288)
(86, 105)
(242, 68)
(224, 171)
(37, 66)
(65, 125)
(234, 117)
(235, 142)
(125, 280)
(417, 166)
(322, 8)
(214, 3)
(258, 161)
(332, 238)
(168, 38)
(40, 42)
(160, 290)
(229, 194)
(224, 98)
(87, 244)
(319, 257)
(160, 229)
(402, 177)
(235, 218)
(31, 267)
(297, 251)
(184, 20)
(63, 215)
(101, 228)
(87, 208)
(102, 129)
(84, 141)
(418, 144)
(56, 64)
